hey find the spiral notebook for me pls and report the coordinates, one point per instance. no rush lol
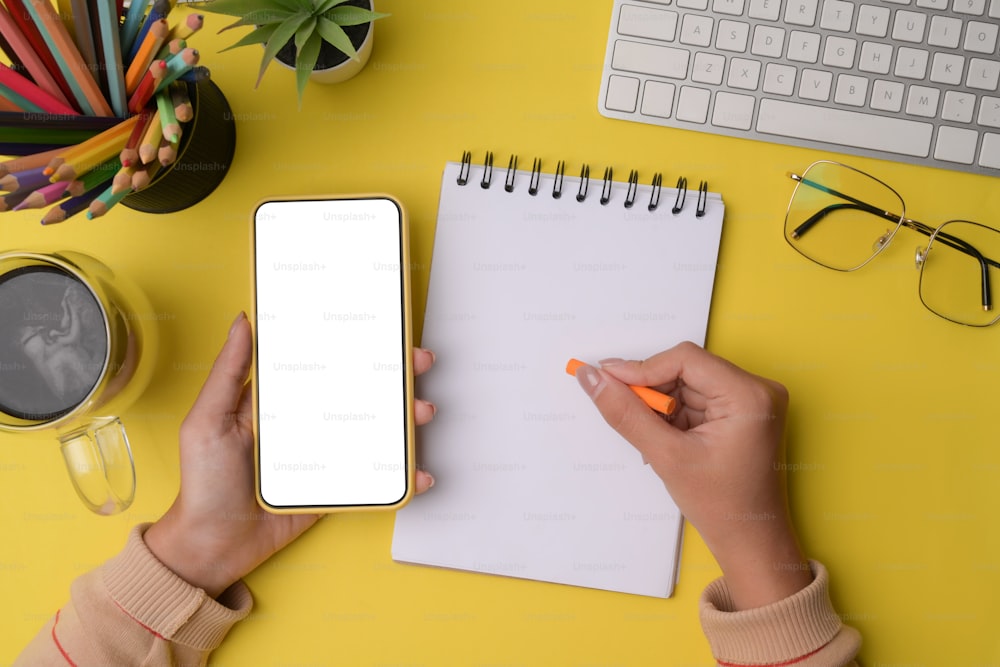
(529, 269)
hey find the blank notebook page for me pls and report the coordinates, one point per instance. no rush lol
(530, 480)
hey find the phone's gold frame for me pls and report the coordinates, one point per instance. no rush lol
(407, 312)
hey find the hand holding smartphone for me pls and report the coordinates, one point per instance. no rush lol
(333, 376)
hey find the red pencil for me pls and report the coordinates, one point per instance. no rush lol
(129, 156)
(33, 93)
(29, 57)
(22, 17)
(147, 86)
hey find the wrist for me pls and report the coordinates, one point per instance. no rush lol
(764, 568)
(187, 557)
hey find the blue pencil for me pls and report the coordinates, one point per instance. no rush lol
(107, 17)
(133, 22)
(160, 10)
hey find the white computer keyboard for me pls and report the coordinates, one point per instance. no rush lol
(906, 80)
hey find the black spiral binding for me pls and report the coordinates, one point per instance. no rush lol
(606, 187)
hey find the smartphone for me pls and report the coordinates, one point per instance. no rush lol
(333, 376)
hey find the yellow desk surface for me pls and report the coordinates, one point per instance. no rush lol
(893, 436)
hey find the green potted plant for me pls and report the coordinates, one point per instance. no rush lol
(325, 40)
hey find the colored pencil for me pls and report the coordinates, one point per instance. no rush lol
(29, 57)
(26, 180)
(68, 58)
(191, 24)
(122, 179)
(33, 121)
(14, 150)
(8, 106)
(28, 161)
(51, 135)
(195, 74)
(85, 156)
(159, 10)
(105, 201)
(129, 157)
(150, 144)
(165, 106)
(11, 54)
(19, 13)
(167, 154)
(145, 175)
(171, 48)
(83, 33)
(8, 202)
(147, 86)
(72, 206)
(31, 92)
(147, 53)
(43, 196)
(183, 110)
(102, 173)
(133, 22)
(111, 56)
(178, 65)
(65, 8)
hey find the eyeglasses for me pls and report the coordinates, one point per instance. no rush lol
(842, 218)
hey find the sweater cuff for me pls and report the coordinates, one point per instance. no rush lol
(786, 632)
(163, 603)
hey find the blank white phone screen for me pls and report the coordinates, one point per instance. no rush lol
(331, 372)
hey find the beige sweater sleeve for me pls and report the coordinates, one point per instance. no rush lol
(802, 630)
(133, 610)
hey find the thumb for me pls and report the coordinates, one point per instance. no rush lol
(627, 414)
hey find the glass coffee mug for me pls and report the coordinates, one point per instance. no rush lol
(77, 346)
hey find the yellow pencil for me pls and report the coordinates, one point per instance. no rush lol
(86, 155)
(150, 145)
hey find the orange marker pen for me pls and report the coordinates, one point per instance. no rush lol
(657, 400)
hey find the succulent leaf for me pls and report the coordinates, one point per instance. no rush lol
(333, 33)
(281, 35)
(258, 36)
(308, 53)
(352, 15)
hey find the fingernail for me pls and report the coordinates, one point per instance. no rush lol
(590, 380)
(239, 318)
(430, 480)
(613, 361)
(430, 352)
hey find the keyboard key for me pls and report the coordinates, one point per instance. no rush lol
(658, 99)
(983, 74)
(887, 96)
(981, 37)
(873, 21)
(743, 74)
(933, 4)
(851, 90)
(696, 30)
(839, 52)
(803, 47)
(801, 12)
(731, 7)
(732, 36)
(945, 31)
(768, 41)
(989, 154)
(922, 101)
(665, 61)
(848, 128)
(651, 23)
(770, 10)
(837, 15)
(622, 93)
(989, 111)
(708, 68)
(910, 63)
(955, 144)
(994, 9)
(692, 104)
(693, 4)
(958, 106)
(779, 79)
(875, 58)
(909, 27)
(973, 7)
(732, 110)
(815, 85)
(947, 68)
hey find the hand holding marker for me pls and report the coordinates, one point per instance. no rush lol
(94, 80)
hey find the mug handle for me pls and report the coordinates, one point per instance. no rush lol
(99, 460)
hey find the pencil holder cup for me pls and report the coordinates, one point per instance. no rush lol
(77, 346)
(204, 154)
